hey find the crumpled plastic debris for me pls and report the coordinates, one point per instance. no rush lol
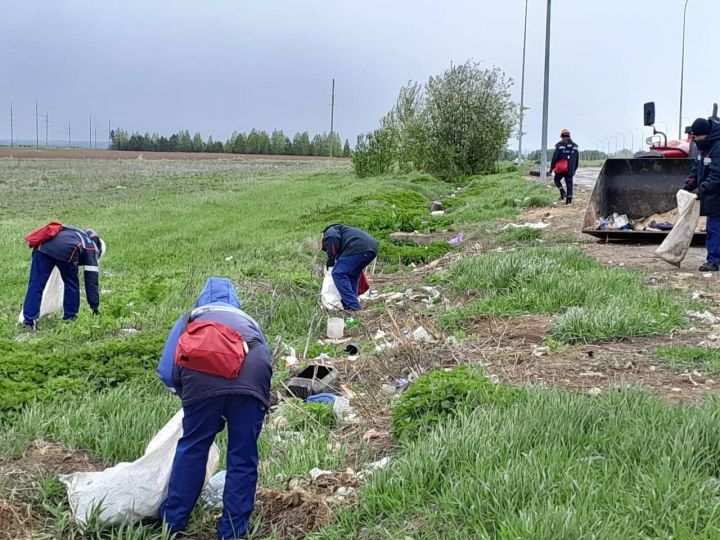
(455, 240)
(704, 316)
(617, 222)
(538, 225)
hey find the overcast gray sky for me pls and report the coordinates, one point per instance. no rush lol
(222, 65)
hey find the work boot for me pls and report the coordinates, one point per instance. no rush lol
(709, 267)
(563, 194)
(568, 200)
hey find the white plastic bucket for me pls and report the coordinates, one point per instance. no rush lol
(335, 327)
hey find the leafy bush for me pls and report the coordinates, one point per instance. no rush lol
(304, 416)
(454, 126)
(438, 395)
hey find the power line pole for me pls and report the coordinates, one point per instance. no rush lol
(47, 116)
(546, 95)
(522, 89)
(12, 139)
(69, 136)
(109, 130)
(332, 117)
(37, 132)
(682, 74)
(95, 137)
(90, 132)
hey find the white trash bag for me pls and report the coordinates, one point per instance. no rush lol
(129, 492)
(329, 294)
(677, 242)
(52, 298)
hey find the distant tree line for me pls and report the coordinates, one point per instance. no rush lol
(255, 142)
(585, 155)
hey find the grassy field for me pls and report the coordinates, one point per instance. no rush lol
(484, 461)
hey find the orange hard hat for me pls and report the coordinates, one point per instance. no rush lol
(565, 132)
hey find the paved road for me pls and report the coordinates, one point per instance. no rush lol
(585, 177)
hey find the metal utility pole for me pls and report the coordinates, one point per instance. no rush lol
(109, 131)
(37, 132)
(682, 74)
(522, 89)
(90, 139)
(96, 137)
(69, 136)
(47, 116)
(546, 95)
(332, 117)
(12, 138)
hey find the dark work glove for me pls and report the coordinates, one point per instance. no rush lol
(690, 184)
(96, 311)
(330, 264)
(700, 193)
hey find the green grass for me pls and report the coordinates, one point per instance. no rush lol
(519, 236)
(688, 357)
(592, 302)
(555, 465)
(170, 225)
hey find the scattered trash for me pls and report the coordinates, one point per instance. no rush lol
(437, 213)
(420, 334)
(384, 346)
(352, 349)
(350, 322)
(129, 331)
(697, 295)
(436, 205)
(708, 275)
(455, 240)
(540, 351)
(379, 335)
(388, 389)
(704, 316)
(652, 368)
(401, 383)
(291, 359)
(617, 222)
(538, 225)
(314, 379)
(374, 435)
(594, 392)
(676, 389)
(321, 398)
(335, 328)
(343, 411)
(380, 464)
(228, 259)
(316, 473)
(212, 495)
(494, 379)
(664, 226)
(592, 374)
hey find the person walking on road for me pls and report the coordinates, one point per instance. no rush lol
(704, 179)
(349, 252)
(217, 360)
(565, 161)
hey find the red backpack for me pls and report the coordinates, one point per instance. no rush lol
(43, 234)
(211, 347)
(562, 165)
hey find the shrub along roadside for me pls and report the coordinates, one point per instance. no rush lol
(554, 465)
(592, 302)
(439, 395)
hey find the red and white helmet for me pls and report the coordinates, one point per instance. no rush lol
(565, 132)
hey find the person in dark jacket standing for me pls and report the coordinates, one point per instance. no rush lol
(349, 251)
(705, 178)
(565, 161)
(68, 250)
(209, 402)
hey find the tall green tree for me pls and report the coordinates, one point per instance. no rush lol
(277, 142)
(346, 149)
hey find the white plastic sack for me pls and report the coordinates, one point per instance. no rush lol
(52, 298)
(676, 244)
(130, 492)
(329, 294)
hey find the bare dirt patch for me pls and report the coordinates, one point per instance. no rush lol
(16, 521)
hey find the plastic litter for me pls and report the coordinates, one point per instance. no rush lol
(352, 349)
(129, 492)
(538, 225)
(437, 213)
(420, 334)
(212, 495)
(321, 398)
(705, 316)
(455, 240)
(661, 226)
(676, 244)
(314, 379)
(335, 328)
(316, 473)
